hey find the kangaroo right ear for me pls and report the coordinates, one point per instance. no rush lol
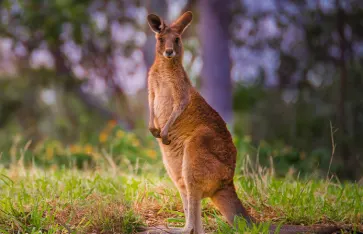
(156, 23)
(183, 22)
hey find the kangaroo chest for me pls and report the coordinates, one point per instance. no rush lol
(163, 102)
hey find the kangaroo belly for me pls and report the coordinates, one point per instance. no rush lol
(173, 159)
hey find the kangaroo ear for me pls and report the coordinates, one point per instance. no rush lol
(156, 23)
(183, 22)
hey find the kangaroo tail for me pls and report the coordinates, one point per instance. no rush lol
(228, 203)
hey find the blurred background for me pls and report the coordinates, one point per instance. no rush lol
(286, 75)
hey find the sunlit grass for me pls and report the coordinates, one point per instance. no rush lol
(118, 184)
(55, 201)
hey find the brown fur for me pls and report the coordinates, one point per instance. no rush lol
(197, 148)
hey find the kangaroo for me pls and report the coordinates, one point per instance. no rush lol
(197, 149)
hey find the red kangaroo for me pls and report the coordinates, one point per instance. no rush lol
(196, 146)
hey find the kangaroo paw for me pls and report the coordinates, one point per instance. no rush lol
(166, 141)
(155, 132)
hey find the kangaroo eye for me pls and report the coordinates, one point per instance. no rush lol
(177, 40)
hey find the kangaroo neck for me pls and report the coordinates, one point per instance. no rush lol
(171, 69)
(165, 64)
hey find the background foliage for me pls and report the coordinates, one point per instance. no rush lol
(70, 68)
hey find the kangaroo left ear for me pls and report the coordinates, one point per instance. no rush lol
(183, 22)
(156, 23)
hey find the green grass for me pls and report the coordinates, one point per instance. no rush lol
(105, 201)
(53, 201)
(118, 185)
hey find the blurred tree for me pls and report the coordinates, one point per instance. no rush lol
(76, 42)
(64, 63)
(331, 33)
(216, 83)
(317, 46)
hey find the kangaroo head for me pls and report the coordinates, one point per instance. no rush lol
(168, 41)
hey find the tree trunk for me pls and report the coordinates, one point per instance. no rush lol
(350, 162)
(216, 84)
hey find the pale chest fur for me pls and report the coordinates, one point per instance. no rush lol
(163, 107)
(163, 91)
(163, 104)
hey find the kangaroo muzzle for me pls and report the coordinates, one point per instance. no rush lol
(169, 53)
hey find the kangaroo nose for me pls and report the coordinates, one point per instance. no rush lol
(169, 53)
